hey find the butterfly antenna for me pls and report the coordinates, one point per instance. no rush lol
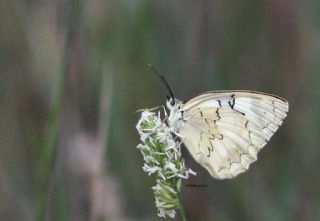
(163, 80)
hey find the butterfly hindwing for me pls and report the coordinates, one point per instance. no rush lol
(225, 130)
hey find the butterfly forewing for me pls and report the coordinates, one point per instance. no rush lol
(225, 130)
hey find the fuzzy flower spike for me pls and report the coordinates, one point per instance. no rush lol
(162, 155)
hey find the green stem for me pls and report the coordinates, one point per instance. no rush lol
(181, 208)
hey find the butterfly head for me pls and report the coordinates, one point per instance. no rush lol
(173, 104)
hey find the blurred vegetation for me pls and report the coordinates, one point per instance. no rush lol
(72, 74)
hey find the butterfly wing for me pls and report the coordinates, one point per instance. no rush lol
(225, 130)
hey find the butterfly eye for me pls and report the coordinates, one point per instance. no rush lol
(172, 102)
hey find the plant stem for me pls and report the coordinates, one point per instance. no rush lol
(181, 208)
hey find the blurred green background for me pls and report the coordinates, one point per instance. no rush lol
(73, 73)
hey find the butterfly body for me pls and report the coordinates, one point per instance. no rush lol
(225, 130)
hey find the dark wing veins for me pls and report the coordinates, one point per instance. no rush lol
(218, 115)
(233, 162)
(211, 148)
(232, 102)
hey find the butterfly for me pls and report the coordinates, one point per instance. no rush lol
(225, 130)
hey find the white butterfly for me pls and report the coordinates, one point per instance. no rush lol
(225, 130)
